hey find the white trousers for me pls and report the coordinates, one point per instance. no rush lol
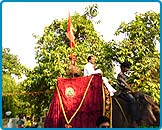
(108, 86)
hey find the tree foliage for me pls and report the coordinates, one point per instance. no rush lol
(8, 86)
(11, 64)
(139, 48)
(11, 67)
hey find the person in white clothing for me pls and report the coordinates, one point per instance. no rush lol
(90, 68)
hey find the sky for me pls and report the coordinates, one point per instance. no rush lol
(22, 19)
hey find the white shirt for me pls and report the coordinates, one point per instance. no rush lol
(89, 69)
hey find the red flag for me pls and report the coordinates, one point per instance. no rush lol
(69, 33)
(78, 101)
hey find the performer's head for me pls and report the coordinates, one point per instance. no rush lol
(91, 59)
(102, 122)
(125, 66)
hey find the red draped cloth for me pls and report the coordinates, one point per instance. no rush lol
(79, 104)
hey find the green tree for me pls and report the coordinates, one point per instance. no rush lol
(11, 67)
(139, 48)
(52, 54)
(11, 64)
(7, 101)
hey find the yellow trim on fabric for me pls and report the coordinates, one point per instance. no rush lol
(63, 110)
(103, 93)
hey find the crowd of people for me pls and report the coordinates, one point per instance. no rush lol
(26, 121)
